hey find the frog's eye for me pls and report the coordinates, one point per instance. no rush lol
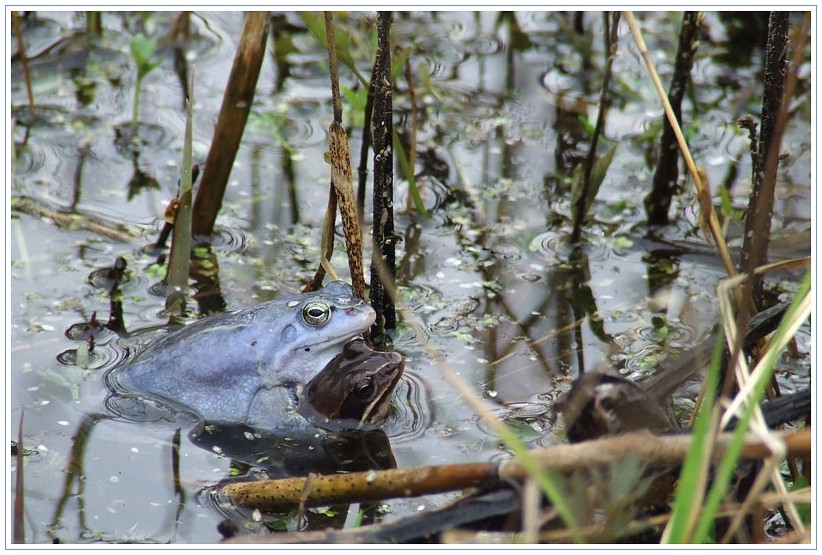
(364, 390)
(316, 313)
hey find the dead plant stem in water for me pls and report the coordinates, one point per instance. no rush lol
(658, 201)
(702, 191)
(383, 255)
(585, 197)
(653, 450)
(778, 90)
(180, 257)
(237, 101)
(341, 175)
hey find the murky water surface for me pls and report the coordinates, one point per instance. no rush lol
(489, 277)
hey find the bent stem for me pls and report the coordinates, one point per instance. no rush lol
(703, 193)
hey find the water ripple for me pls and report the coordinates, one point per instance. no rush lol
(412, 412)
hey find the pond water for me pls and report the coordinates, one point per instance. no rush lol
(503, 107)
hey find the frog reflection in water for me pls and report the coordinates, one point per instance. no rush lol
(217, 365)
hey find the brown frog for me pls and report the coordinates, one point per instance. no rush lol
(353, 389)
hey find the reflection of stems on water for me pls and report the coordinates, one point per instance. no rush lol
(115, 319)
(180, 34)
(588, 192)
(175, 472)
(412, 135)
(658, 201)
(21, 52)
(365, 145)
(74, 473)
(83, 151)
(205, 273)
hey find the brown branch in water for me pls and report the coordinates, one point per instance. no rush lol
(652, 450)
(658, 201)
(383, 239)
(237, 101)
(599, 128)
(73, 220)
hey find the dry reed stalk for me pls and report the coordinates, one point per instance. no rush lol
(648, 449)
(341, 174)
(703, 192)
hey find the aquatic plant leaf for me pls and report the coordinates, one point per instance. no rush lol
(408, 172)
(142, 50)
(398, 62)
(315, 21)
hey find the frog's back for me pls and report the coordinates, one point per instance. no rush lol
(216, 365)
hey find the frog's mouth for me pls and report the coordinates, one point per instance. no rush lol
(325, 343)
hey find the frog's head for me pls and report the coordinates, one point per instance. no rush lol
(354, 388)
(320, 322)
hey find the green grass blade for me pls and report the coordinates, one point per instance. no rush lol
(413, 190)
(688, 496)
(730, 459)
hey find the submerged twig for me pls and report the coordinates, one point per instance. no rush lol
(73, 221)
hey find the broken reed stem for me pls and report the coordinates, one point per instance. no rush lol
(326, 241)
(658, 201)
(288, 493)
(702, 191)
(21, 50)
(341, 176)
(598, 130)
(237, 101)
(383, 240)
(180, 256)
